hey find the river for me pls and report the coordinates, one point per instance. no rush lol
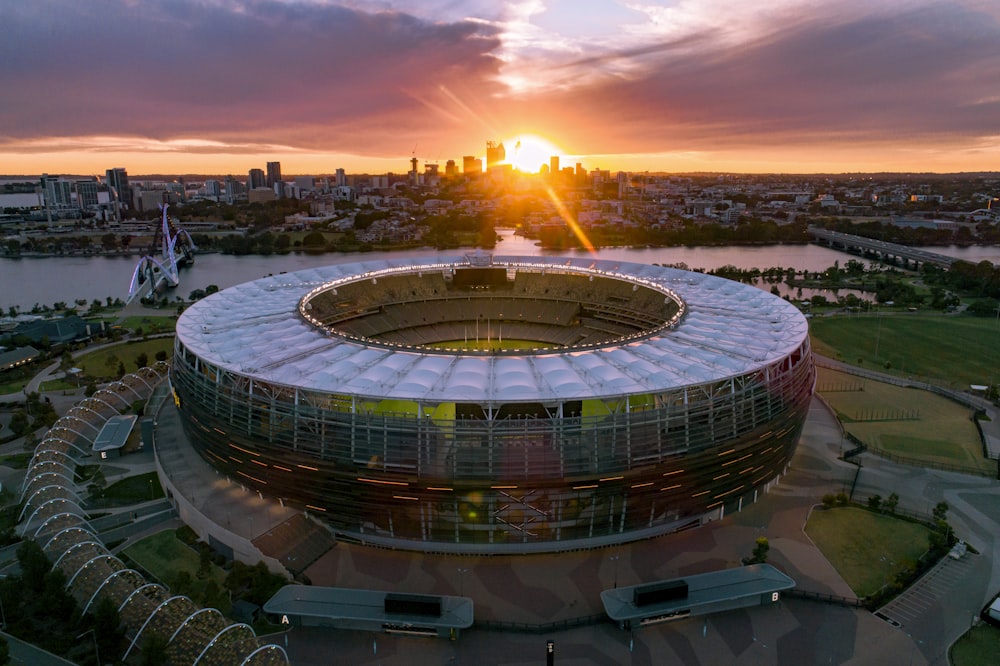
(25, 282)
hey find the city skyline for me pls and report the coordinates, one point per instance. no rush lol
(223, 87)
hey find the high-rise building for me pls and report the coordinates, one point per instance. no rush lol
(213, 188)
(57, 192)
(554, 164)
(86, 194)
(495, 154)
(256, 179)
(341, 178)
(471, 165)
(273, 174)
(450, 170)
(117, 181)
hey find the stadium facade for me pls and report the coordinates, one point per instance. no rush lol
(497, 404)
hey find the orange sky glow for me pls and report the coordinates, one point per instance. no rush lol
(222, 86)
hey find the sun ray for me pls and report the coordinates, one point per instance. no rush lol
(570, 221)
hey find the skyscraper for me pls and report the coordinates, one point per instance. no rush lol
(117, 181)
(256, 179)
(273, 173)
(554, 164)
(471, 165)
(495, 154)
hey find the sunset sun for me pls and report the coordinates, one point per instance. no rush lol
(527, 152)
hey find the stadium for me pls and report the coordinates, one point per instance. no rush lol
(491, 404)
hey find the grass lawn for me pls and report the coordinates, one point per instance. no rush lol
(149, 324)
(866, 548)
(132, 490)
(942, 432)
(104, 363)
(16, 460)
(980, 646)
(949, 350)
(56, 385)
(13, 385)
(164, 556)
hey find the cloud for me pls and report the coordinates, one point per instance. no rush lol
(386, 77)
(920, 75)
(261, 72)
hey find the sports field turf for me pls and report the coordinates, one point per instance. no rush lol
(903, 421)
(947, 350)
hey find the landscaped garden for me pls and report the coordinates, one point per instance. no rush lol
(105, 364)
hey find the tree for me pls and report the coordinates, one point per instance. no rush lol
(161, 355)
(875, 502)
(891, 503)
(121, 369)
(154, 649)
(34, 565)
(107, 628)
(142, 360)
(90, 390)
(19, 423)
(760, 550)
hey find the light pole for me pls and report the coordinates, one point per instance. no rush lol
(461, 581)
(614, 560)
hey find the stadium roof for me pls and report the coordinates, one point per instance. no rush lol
(254, 329)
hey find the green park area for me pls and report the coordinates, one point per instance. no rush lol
(149, 324)
(901, 421)
(978, 647)
(104, 363)
(172, 562)
(868, 549)
(953, 351)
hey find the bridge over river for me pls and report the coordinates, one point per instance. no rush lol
(888, 252)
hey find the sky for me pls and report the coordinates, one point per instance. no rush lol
(222, 86)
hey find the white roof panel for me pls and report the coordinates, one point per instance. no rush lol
(254, 329)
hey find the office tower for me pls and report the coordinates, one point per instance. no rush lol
(495, 154)
(86, 194)
(273, 174)
(471, 165)
(256, 179)
(450, 170)
(212, 188)
(341, 178)
(117, 181)
(554, 164)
